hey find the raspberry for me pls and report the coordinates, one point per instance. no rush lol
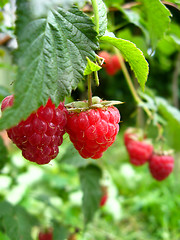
(139, 152)
(93, 131)
(103, 200)
(161, 166)
(115, 62)
(129, 135)
(48, 235)
(106, 56)
(41, 133)
(112, 64)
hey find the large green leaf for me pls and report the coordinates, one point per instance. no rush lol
(102, 10)
(51, 58)
(157, 19)
(133, 55)
(90, 183)
(172, 128)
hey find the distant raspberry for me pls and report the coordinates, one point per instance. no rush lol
(41, 133)
(48, 235)
(116, 62)
(93, 131)
(112, 64)
(106, 56)
(103, 200)
(139, 152)
(130, 135)
(161, 166)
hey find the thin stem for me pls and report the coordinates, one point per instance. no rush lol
(96, 78)
(96, 15)
(89, 90)
(130, 84)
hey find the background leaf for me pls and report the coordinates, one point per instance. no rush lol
(157, 19)
(172, 128)
(90, 183)
(133, 55)
(59, 231)
(51, 58)
(3, 154)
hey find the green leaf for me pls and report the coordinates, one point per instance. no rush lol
(3, 236)
(4, 92)
(59, 231)
(134, 18)
(18, 224)
(172, 128)
(5, 208)
(51, 58)
(90, 183)
(157, 19)
(3, 154)
(133, 55)
(72, 157)
(91, 67)
(102, 10)
(3, 2)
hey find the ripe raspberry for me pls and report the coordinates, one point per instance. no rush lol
(93, 131)
(129, 135)
(112, 64)
(139, 152)
(40, 135)
(48, 235)
(161, 166)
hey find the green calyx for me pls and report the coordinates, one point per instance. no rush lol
(97, 102)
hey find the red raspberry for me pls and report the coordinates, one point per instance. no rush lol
(139, 152)
(130, 135)
(103, 200)
(112, 64)
(48, 235)
(41, 133)
(161, 166)
(106, 57)
(93, 131)
(115, 62)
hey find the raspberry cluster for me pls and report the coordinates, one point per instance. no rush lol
(93, 131)
(41, 133)
(140, 152)
(112, 64)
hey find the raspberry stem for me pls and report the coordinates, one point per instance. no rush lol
(130, 84)
(96, 78)
(89, 90)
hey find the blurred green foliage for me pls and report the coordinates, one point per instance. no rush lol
(138, 207)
